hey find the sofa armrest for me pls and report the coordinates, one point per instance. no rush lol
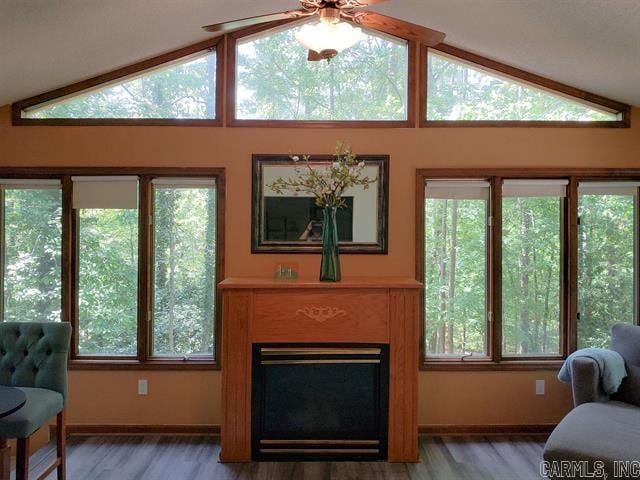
(585, 381)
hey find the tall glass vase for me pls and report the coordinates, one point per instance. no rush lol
(330, 265)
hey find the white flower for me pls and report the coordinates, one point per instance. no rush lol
(335, 164)
(295, 158)
(361, 164)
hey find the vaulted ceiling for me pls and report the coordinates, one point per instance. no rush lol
(590, 44)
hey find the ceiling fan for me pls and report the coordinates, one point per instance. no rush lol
(331, 35)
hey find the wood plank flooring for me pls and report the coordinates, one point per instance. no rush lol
(196, 458)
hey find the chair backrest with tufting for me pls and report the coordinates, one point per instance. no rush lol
(35, 355)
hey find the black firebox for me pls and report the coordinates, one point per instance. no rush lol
(320, 401)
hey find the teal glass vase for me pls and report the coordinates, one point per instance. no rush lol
(330, 264)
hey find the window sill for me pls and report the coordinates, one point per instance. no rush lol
(160, 364)
(524, 123)
(479, 365)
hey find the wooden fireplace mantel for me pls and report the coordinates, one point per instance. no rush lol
(355, 310)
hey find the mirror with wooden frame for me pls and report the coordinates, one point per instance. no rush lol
(292, 223)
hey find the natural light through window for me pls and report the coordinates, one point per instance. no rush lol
(531, 261)
(607, 255)
(275, 81)
(181, 89)
(458, 90)
(32, 250)
(455, 235)
(184, 266)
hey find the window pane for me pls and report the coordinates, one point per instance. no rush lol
(531, 256)
(184, 271)
(108, 281)
(455, 276)
(459, 91)
(184, 89)
(32, 254)
(605, 266)
(365, 82)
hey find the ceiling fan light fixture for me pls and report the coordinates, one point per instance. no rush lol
(328, 39)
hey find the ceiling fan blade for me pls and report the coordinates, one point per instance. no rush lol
(359, 3)
(399, 28)
(314, 56)
(226, 27)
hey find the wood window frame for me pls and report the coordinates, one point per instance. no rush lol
(568, 272)
(545, 83)
(216, 44)
(143, 360)
(417, 75)
(231, 121)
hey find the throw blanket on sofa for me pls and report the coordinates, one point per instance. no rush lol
(610, 364)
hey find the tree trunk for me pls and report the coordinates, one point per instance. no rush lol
(442, 279)
(208, 311)
(452, 273)
(172, 271)
(524, 278)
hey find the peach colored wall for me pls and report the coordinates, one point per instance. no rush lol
(194, 397)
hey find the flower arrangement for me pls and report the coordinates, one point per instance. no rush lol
(326, 184)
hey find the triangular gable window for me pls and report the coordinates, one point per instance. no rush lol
(462, 91)
(182, 89)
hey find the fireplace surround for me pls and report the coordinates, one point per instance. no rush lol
(356, 312)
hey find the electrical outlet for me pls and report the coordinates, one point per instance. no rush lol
(143, 387)
(539, 387)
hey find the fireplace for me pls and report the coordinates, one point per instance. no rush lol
(262, 313)
(320, 401)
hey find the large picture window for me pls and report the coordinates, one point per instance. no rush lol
(519, 272)
(184, 250)
(131, 261)
(607, 262)
(455, 279)
(31, 250)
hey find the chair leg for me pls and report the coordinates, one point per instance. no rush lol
(61, 444)
(5, 459)
(22, 459)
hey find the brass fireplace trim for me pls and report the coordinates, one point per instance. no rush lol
(327, 451)
(319, 351)
(319, 442)
(319, 362)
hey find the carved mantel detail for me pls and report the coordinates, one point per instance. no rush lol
(321, 314)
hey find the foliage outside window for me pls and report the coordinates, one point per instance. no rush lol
(457, 90)
(274, 80)
(607, 255)
(531, 262)
(184, 268)
(184, 89)
(455, 214)
(108, 281)
(32, 246)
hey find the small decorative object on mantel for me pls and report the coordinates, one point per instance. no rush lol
(327, 184)
(286, 271)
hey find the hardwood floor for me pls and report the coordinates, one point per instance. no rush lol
(196, 458)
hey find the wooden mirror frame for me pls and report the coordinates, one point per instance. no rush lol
(258, 245)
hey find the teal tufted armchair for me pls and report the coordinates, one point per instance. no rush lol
(33, 358)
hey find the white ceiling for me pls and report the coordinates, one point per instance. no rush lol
(590, 44)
